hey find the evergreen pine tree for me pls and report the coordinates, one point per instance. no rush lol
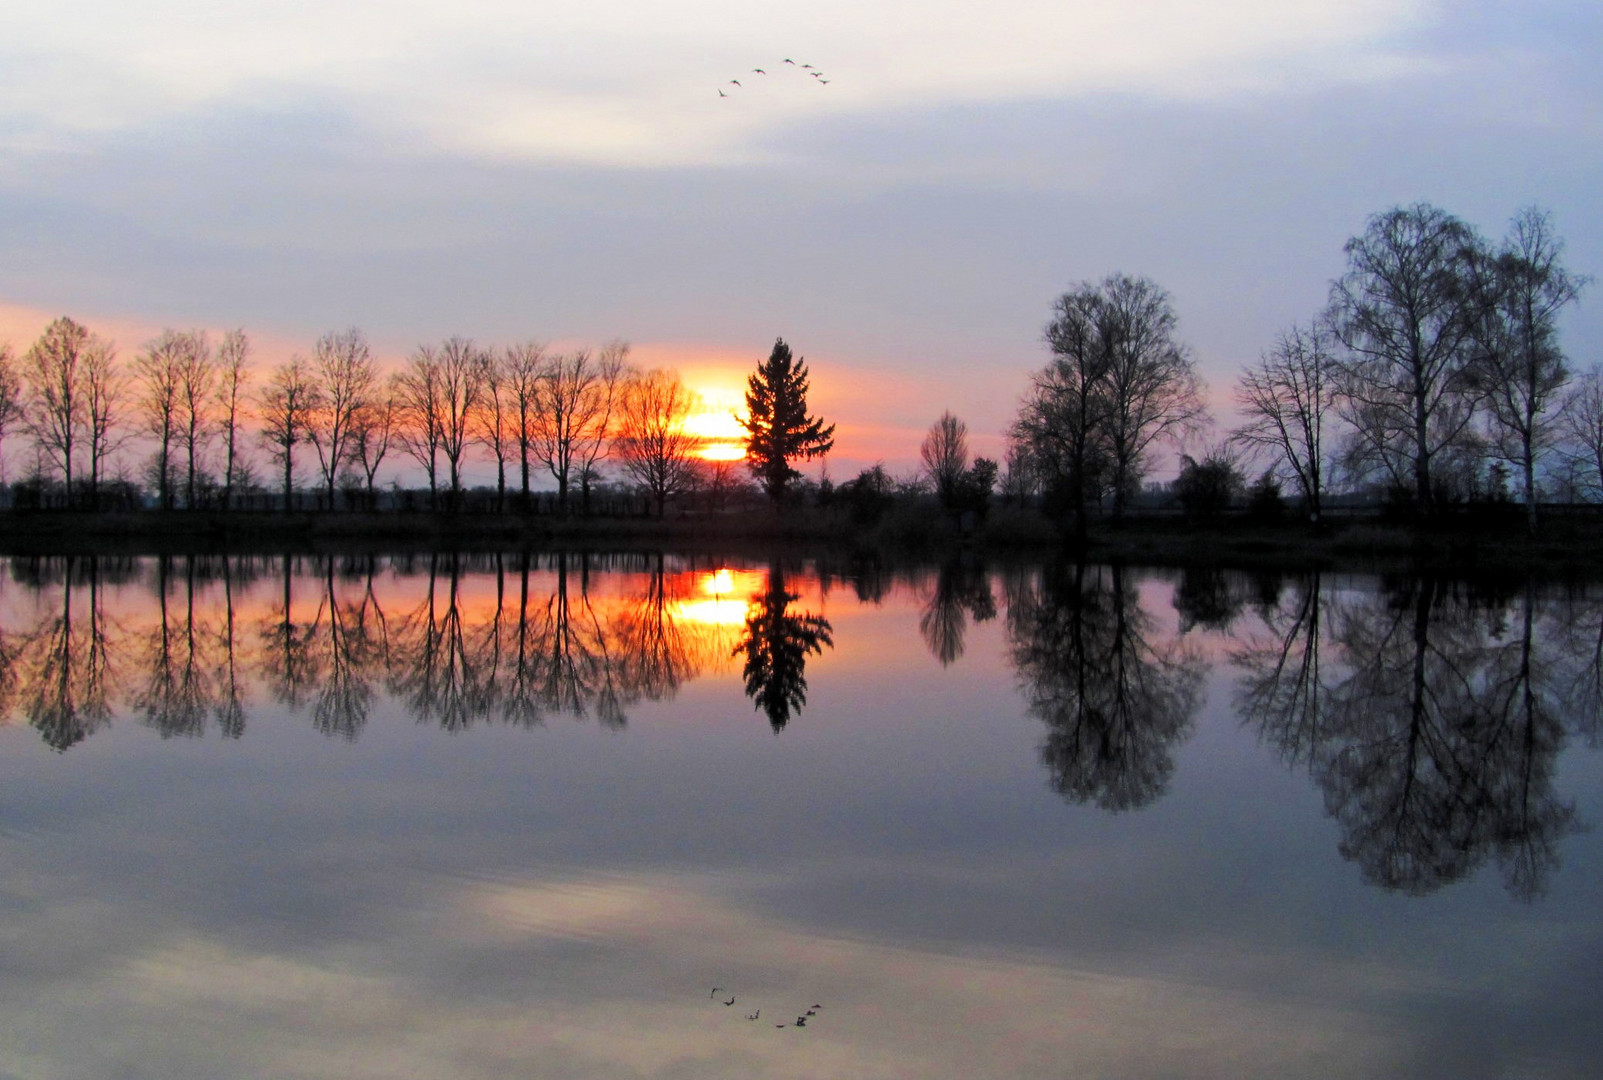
(778, 429)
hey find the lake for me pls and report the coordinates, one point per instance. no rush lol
(564, 815)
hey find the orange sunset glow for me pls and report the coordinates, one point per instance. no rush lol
(723, 439)
(721, 597)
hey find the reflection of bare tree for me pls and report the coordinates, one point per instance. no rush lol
(656, 649)
(1283, 690)
(345, 691)
(67, 681)
(178, 693)
(1436, 750)
(776, 645)
(1577, 635)
(230, 707)
(1115, 701)
(577, 674)
(288, 662)
(1207, 596)
(961, 592)
(434, 671)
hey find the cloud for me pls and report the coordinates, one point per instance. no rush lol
(635, 83)
(607, 975)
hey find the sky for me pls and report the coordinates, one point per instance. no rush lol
(571, 174)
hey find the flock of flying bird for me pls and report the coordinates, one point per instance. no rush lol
(814, 72)
(801, 1021)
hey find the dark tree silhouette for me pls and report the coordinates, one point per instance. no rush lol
(778, 429)
(960, 592)
(1115, 703)
(68, 680)
(1404, 313)
(1284, 691)
(1434, 740)
(776, 645)
(1119, 382)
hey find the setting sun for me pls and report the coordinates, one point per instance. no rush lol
(716, 424)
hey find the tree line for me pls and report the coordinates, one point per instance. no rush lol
(1434, 374)
(204, 426)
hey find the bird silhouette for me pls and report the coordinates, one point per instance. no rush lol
(722, 94)
(731, 1000)
(805, 66)
(716, 991)
(823, 82)
(755, 1015)
(759, 71)
(735, 81)
(789, 61)
(801, 1021)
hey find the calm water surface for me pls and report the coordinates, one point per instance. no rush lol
(519, 816)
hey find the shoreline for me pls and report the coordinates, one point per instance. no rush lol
(1566, 546)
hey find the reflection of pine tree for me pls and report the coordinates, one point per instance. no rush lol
(776, 646)
(1115, 702)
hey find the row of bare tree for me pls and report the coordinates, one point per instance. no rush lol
(1435, 368)
(190, 401)
(1436, 362)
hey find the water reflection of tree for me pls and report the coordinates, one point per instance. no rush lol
(962, 591)
(1115, 700)
(178, 693)
(776, 644)
(288, 661)
(1283, 689)
(1436, 742)
(67, 681)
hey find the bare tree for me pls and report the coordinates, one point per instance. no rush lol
(461, 384)
(525, 365)
(945, 454)
(345, 375)
(198, 376)
(373, 432)
(494, 419)
(595, 440)
(652, 443)
(232, 394)
(574, 404)
(11, 399)
(54, 366)
(1060, 437)
(1404, 313)
(156, 371)
(419, 407)
(103, 385)
(1519, 364)
(1153, 392)
(1582, 423)
(288, 402)
(1286, 398)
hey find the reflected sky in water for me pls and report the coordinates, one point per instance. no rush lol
(495, 816)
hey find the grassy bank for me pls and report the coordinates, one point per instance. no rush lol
(1568, 545)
